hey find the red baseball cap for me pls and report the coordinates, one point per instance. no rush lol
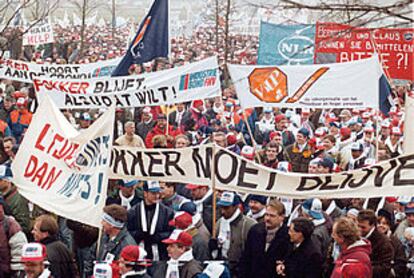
(179, 237)
(134, 254)
(194, 186)
(33, 252)
(182, 220)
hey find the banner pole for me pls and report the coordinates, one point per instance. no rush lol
(98, 242)
(251, 136)
(213, 186)
(377, 114)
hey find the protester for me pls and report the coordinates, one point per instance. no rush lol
(266, 243)
(132, 262)
(130, 139)
(127, 195)
(34, 258)
(257, 205)
(202, 196)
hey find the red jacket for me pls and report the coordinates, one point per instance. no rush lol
(354, 262)
(157, 131)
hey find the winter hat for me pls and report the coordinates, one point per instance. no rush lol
(259, 198)
(304, 132)
(134, 254)
(326, 163)
(313, 207)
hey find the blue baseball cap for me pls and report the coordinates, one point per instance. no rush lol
(228, 199)
(152, 186)
(128, 183)
(313, 207)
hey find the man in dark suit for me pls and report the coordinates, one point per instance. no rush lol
(177, 117)
(266, 243)
(303, 259)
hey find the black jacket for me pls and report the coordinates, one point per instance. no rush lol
(117, 200)
(255, 261)
(162, 229)
(60, 258)
(304, 261)
(187, 270)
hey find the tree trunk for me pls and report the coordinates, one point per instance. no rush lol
(217, 25)
(226, 76)
(84, 7)
(113, 18)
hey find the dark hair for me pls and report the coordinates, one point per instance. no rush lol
(47, 223)
(330, 137)
(367, 215)
(304, 226)
(272, 144)
(118, 212)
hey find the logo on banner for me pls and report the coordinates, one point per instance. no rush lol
(270, 84)
(138, 44)
(296, 48)
(199, 79)
(408, 36)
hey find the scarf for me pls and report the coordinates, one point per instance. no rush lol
(394, 148)
(45, 274)
(353, 162)
(331, 207)
(126, 202)
(172, 268)
(258, 215)
(134, 273)
(199, 203)
(225, 233)
(154, 247)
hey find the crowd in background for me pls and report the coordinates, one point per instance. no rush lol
(165, 229)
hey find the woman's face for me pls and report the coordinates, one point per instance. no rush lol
(383, 226)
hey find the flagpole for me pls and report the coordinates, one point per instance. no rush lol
(169, 31)
(213, 186)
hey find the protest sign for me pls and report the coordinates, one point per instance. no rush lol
(346, 85)
(394, 177)
(343, 43)
(40, 33)
(198, 80)
(286, 44)
(63, 170)
(25, 72)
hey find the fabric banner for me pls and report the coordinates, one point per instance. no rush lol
(345, 85)
(343, 43)
(63, 170)
(25, 72)
(286, 44)
(198, 80)
(41, 33)
(393, 177)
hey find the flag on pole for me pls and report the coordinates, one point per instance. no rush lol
(151, 40)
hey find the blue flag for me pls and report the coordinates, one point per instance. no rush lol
(385, 96)
(151, 40)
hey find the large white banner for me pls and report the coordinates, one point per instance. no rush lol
(345, 85)
(394, 177)
(25, 72)
(41, 33)
(63, 170)
(197, 80)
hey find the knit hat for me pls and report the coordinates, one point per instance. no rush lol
(182, 220)
(259, 198)
(33, 252)
(180, 237)
(313, 207)
(304, 132)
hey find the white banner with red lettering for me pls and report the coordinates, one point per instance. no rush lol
(25, 72)
(346, 85)
(199, 80)
(63, 170)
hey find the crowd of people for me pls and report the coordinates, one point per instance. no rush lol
(163, 229)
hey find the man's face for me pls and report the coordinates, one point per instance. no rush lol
(220, 140)
(180, 107)
(106, 227)
(364, 227)
(167, 191)
(368, 136)
(300, 139)
(323, 170)
(162, 123)
(333, 130)
(382, 225)
(385, 131)
(282, 124)
(272, 218)
(130, 130)
(277, 139)
(271, 153)
(198, 193)
(327, 144)
(181, 143)
(84, 123)
(127, 191)
(228, 211)
(356, 154)
(313, 169)
(256, 206)
(33, 269)
(174, 251)
(146, 117)
(7, 104)
(4, 185)
(295, 237)
(410, 219)
(151, 198)
(38, 235)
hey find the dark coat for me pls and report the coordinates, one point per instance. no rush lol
(143, 128)
(207, 214)
(187, 270)
(255, 261)
(115, 246)
(173, 115)
(117, 200)
(304, 261)
(162, 229)
(382, 254)
(298, 159)
(399, 264)
(61, 260)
